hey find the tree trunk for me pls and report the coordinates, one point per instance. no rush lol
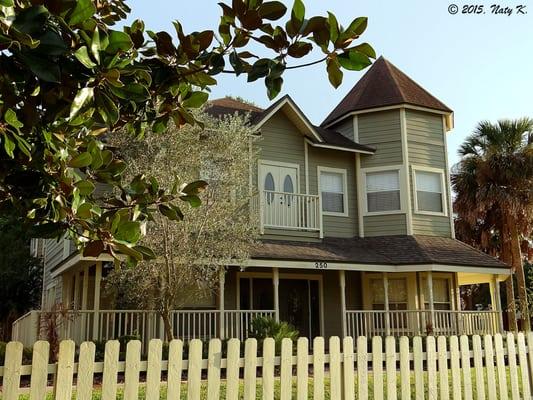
(518, 267)
(165, 316)
(507, 257)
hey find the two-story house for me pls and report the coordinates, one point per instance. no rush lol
(357, 232)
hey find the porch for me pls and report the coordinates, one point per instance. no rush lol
(317, 302)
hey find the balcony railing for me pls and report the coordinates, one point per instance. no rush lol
(421, 322)
(295, 211)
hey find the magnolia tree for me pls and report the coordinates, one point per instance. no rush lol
(69, 78)
(191, 255)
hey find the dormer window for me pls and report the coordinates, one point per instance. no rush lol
(383, 191)
(429, 191)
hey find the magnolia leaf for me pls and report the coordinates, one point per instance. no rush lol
(84, 211)
(94, 249)
(11, 118)
(133, 91)
(334, 72)
(195, 100)
(129, 231)
(9, 145)
(84, 10)
(354, 60)
(84, 96)
(85, 187)
(82, 54)
(81, 160)
(119, 41)
(272, 10)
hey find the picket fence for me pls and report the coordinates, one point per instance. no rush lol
(441, 368)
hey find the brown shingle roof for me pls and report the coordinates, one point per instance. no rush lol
(227, 105)
(384, 85)
(384, 250)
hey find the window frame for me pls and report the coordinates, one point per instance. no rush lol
(344, 173)
(437, 275)
(444, 191)
(387, 168)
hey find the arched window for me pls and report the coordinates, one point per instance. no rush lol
(269, 186)
(288, 187)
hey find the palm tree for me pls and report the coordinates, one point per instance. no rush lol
(494, 188)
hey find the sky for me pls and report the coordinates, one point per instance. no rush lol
(479, 65)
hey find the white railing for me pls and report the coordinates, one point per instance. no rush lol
(422, 322)
(26, 328)
(83, 325)
(282, 210)
(237, 323)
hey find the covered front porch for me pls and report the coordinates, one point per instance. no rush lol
(318, 299)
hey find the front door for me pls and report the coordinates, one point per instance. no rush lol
(299, 305)
(279, 183)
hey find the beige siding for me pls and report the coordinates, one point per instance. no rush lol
(336, 226)
(281, 141)
(382, 225)
(382, 131)
(426, 148)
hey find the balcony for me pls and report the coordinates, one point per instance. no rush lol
(288, 211)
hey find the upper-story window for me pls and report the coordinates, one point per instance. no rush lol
(429, 191)
(383, 191)
(333, 192)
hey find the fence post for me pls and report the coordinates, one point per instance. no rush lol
(35, 324)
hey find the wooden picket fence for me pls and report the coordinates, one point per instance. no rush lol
(431, 368)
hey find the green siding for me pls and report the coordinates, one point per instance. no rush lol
(345, 128)
(281, 141)
(425, 136)
(382, 131)
(383, 225)
(336, 226)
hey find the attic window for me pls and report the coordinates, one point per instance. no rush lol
(383, 191)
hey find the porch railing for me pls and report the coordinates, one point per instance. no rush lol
(106, 325)
(280, 210)
(421, 322)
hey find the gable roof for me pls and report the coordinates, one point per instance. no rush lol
(384, 85)
(383, 250)
(317, 136)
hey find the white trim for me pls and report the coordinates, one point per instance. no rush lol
(448, 180)
(306, 166)
(77, 258)
(365, 171)
(394, 107)
(374, 267)
(443, 195)
(405, 182)
(355, 129)
(344, 174)
(329, 146)
(291, 103)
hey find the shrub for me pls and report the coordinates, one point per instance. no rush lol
(266, 327)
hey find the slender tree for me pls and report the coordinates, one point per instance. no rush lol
(494, 190)
(191, 255)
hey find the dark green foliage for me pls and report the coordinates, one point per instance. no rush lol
(70, 78)
(20, 274)
(266, 327)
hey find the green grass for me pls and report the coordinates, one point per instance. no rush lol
(97, 391)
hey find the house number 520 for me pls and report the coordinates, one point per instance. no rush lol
(321, 265)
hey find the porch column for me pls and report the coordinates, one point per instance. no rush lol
(221, 284)
(386, 295)
(275, 282)
(497, 301)
(85, 290)
(75, 303)
(97, 283)
(342, 284)
(430, 300)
